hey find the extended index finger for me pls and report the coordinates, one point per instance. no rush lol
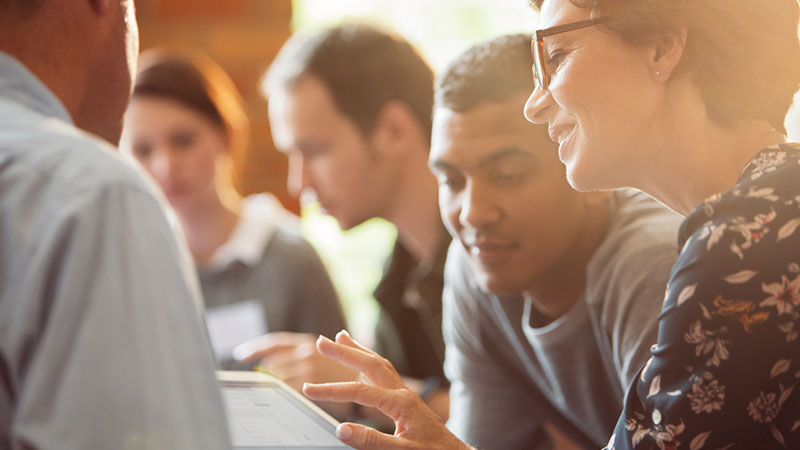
(270, 344)
(344, 338)
(392, 402)
(377, 369)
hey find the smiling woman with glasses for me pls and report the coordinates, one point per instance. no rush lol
(684, 100)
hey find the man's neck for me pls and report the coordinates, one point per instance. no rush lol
(415, 213)
(557, 289)
(58, 63)
(207, 227)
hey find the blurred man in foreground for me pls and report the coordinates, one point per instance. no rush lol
(99, 320)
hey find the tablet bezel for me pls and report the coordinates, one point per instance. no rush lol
(259, 379)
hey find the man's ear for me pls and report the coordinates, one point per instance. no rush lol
(664, 53)
(397, 129)
(100, 6)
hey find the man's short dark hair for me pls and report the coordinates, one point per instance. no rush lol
(492, 71)
(362, 67)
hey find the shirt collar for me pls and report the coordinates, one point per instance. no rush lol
(20, 85)
(768, 160)
(403, 272)
(261, 217)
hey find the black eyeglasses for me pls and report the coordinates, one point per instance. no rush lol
(537, 46)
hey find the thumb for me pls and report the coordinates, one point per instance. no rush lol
(362, 437)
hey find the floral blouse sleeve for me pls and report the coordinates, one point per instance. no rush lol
(727, 361)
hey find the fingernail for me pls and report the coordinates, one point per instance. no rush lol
(344, 432)
(241, 352)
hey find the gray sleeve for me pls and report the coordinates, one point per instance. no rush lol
(489, 409)
(388, 343)
(316, 305)
(632, 285)
(120, 359)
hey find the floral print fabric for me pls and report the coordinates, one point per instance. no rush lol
(727, 361)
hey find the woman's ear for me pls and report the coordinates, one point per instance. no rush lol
(664, 53)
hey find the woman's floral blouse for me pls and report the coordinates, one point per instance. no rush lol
(727, 361)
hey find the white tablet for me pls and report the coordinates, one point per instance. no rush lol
(266, 414)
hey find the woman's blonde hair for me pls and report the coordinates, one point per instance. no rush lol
(743, 55)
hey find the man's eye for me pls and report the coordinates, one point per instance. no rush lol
(507, 179)
(313, 151)
(142, 152)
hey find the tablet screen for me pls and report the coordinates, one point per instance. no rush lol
(265, 415)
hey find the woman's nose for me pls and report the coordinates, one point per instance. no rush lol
(535, 108)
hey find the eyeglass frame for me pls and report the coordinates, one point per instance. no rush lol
(540, 75)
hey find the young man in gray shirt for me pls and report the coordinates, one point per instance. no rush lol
(551, 296)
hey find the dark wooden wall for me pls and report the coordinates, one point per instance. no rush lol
(243, 36)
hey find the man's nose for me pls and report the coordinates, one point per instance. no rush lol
(477, 208)
(298, 179)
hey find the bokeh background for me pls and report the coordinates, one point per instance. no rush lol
(244, 36)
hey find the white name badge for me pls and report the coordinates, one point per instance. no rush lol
(231, 325)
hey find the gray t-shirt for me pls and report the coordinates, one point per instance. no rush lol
(273, 267)
(509, 377)
(101, 341)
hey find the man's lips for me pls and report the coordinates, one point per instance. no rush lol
(490, 253)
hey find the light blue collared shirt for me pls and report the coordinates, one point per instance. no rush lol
(101, 345)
